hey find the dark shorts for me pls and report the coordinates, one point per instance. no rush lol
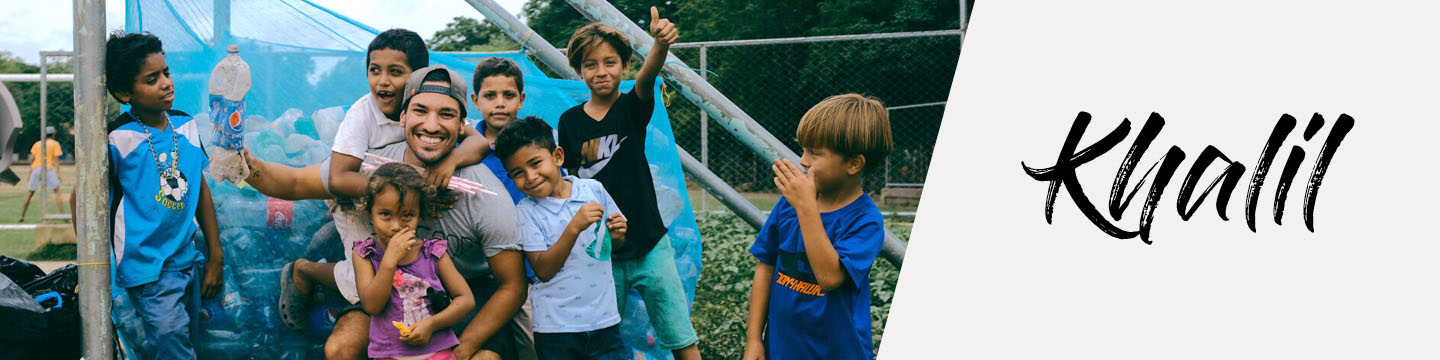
(603, 344)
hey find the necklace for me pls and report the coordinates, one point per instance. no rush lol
(172, 182)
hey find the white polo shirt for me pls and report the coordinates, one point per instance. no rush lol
(365, 127)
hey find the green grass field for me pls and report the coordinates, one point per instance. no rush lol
(20, 243)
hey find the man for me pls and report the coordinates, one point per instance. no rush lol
(481, 228)
(43, 168)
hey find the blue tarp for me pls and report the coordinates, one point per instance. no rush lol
(307, 66)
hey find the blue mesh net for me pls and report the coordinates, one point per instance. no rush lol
(307, 66)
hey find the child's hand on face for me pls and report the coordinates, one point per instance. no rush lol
(419, 334)
(400, 245)
(793, 183)
(662, 29)
(617, 226)
(589, 213)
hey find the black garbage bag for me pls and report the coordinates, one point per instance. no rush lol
(19, 271)
(19, 311)
(63, 280)
(55, 331)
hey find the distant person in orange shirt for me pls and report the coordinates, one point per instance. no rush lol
(46, 173)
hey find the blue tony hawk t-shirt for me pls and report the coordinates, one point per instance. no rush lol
(153, 230)
(806, 322)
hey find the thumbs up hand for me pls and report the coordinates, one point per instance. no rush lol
(664, 33)
(662, 29)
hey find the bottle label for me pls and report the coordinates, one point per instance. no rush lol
(228, 118)
(278, 213)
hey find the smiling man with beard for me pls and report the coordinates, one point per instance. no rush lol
(481, 228)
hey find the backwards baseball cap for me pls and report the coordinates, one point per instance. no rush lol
(414, 86)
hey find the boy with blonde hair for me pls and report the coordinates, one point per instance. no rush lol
(607, 138)
(811, 293)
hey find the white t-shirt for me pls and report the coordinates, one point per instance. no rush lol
(581, 296)
(365, 127)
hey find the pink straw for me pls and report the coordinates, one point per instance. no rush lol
(456, 183)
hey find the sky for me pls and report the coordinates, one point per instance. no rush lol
(28, 27)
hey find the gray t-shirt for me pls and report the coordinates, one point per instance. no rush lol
(479, 226)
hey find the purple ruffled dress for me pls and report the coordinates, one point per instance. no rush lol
(408, 304)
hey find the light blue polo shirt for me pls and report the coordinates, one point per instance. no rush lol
(581, 296)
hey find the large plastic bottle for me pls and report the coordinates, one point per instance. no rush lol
(228, 84)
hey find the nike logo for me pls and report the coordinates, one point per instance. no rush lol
(597, 152)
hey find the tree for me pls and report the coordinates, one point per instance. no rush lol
(60, 103)
(556, 20)
(468, 34)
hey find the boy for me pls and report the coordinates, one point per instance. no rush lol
(159, 197)
(42, 168)
(499, 94)
(811, 293)
(607, 135)
(370, 123)
(573, 292)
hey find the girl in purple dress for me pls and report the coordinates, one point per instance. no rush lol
(410, 287)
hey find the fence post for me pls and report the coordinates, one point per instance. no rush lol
(91, 149)
(704, 129)
(221, 28)
(887, 174)
(709, 99)
(44, 123)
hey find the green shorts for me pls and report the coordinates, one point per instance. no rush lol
(659, 284)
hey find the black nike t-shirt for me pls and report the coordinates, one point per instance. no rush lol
(612, 151)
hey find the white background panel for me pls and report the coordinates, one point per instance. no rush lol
(987, 277)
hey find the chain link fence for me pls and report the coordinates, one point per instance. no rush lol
(776, 81)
